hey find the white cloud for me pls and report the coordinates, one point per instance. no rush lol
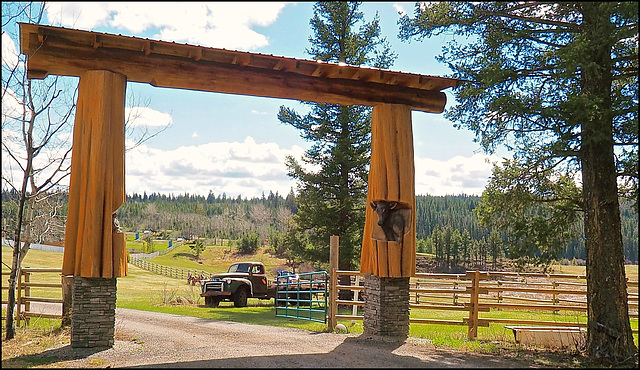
(9, 51)
(12, 107)
(214, 24)
(401, 7)
(468, 175)
(146, 117)
(44, 163)
(85, 15)
(247, 168)
(195, 134)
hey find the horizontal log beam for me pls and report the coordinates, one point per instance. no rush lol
(65, 53)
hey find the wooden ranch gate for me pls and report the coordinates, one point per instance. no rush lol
(95, 247)
(106, 62)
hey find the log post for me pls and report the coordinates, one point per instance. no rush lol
(334, 243)
(388, 265)
(95, 252)
(391, 178)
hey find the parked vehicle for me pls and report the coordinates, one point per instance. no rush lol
(285, 276)
(243, 280)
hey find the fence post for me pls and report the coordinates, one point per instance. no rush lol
(27, 293)
(354, 309)
(334, 242)
(19, 297)
(67, 299)
(556, 301)
(455, 295)
(473, 304)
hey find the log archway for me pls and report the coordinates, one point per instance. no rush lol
(94, 247)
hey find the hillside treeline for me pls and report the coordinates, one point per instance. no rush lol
(446, 226)
(207, 217)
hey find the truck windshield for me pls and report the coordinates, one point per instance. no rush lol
(239, 267)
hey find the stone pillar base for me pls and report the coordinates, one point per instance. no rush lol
(386, 309)
(93, 316)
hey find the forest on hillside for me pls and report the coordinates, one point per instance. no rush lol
(446, 226)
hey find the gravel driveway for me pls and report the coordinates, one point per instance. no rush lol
(158, 340)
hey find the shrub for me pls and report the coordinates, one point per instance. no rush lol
(248, 243)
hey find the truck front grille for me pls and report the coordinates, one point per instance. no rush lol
(213, 285)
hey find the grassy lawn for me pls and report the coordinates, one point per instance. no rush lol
(216, 259)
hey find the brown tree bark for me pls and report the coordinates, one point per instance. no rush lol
(609, 331)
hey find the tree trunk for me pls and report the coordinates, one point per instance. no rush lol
(609, 333)
(11, 297)
(18, 250)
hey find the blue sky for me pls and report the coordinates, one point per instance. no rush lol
(235, 144)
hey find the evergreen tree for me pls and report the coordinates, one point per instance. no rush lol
(436, 238)
(466, 247)
(558, 84)
(331, 200)
(197, 247)
(495, 247)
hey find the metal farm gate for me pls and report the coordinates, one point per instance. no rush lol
(303, 296)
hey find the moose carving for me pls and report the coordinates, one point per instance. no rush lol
(392, 219)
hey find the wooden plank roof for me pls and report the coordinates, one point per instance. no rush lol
(70, 52)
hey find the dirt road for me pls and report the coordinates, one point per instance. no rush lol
(156, 340)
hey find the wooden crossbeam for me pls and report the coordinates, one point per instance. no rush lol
(68, 52)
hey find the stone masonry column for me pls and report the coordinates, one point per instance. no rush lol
(386, 309)
(94, 312)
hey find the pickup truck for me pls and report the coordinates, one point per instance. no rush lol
(243, 280)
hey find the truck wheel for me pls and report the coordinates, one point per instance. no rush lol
(212, 301)
(240, 297)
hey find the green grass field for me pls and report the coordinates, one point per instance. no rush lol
(144, 290)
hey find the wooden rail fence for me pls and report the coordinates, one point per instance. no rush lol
(474, 292)
(478, 292)
(23, 293)
(173, 272)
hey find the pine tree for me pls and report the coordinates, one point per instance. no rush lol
(331, 200)
(557, 83)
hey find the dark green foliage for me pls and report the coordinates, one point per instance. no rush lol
(435, 213)
(557, 84)
(454, 210)
(197, 247)
(536, 212)
(331, 200)
(249, 243)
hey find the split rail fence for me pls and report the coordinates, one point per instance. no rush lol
(474, 292)
(173, 272)
(23, 292)
(479, 292)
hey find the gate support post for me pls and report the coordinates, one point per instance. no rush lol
(389, 264)
(95, 249)
(334, 242)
